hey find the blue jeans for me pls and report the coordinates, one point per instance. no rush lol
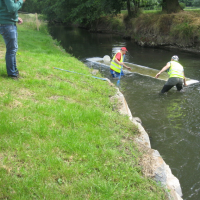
(9, 33)
(116, 74)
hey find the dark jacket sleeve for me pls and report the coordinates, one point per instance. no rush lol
(13, 6)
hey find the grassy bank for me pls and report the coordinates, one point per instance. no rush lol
(181, 29)
(61, 137)
(156, 28)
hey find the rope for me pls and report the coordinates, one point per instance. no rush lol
(104, 79)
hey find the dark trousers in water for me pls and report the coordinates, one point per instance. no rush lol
(174, 81)
(116, 74)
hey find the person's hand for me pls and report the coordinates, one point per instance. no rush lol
(20, 21)
(127, 67)
(185, 84)
(157, 75)
(24, 0)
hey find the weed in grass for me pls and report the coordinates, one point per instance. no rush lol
(32, 21)
(185, 33)
(8, 99)
(165, 23)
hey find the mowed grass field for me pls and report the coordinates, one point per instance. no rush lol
(61, 136)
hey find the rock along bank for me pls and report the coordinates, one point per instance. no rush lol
(153, 165)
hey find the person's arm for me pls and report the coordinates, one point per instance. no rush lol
(167, 66)
(14, 6)
(126, 66)
(121, 63)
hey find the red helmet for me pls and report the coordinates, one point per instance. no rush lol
(124, 49)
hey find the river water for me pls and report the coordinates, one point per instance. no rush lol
(172, 120)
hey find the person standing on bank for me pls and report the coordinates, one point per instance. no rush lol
(176, 75)
(8, 29)
(117, 63)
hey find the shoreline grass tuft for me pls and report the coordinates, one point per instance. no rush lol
(60, 137)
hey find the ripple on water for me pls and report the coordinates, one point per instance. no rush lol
(173, 122)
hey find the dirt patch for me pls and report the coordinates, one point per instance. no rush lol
(147, 161)
(8, 169)
(2, 54)
(24, 93)
(3, 50)
(69, 100)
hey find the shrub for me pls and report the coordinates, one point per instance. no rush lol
(184, 33)
(182, 5)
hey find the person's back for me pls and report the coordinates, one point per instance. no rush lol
(175, 70)
(176, 75)
(9, 11)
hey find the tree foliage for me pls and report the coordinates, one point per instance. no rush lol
(74, 10)
(33, 6)
(87, 11)
(191, 3)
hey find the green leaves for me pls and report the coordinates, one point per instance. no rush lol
(76, 11)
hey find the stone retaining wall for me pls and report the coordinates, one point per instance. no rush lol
(152, 163)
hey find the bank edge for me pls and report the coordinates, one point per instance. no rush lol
(152, 163)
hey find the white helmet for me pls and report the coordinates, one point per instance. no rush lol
(175, 58)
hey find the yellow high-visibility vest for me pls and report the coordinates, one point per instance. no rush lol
(114, 66)
(175, 70)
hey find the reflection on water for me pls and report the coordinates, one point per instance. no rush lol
(171, 120)
(175, 113)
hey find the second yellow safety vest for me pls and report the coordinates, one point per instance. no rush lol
(175, 70)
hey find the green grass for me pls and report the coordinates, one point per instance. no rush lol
(159, 10)
(125, 12)
(60, 137)
(192, 8)
(195, 11)
(151, 11)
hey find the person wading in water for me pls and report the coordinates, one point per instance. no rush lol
(117, 63)
(176, 75)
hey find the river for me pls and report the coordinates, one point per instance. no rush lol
(172, 120)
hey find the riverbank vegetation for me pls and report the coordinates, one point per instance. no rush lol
(158, 29)
(61, 136)
(155, 29)
(87, 11)
(153, 23)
